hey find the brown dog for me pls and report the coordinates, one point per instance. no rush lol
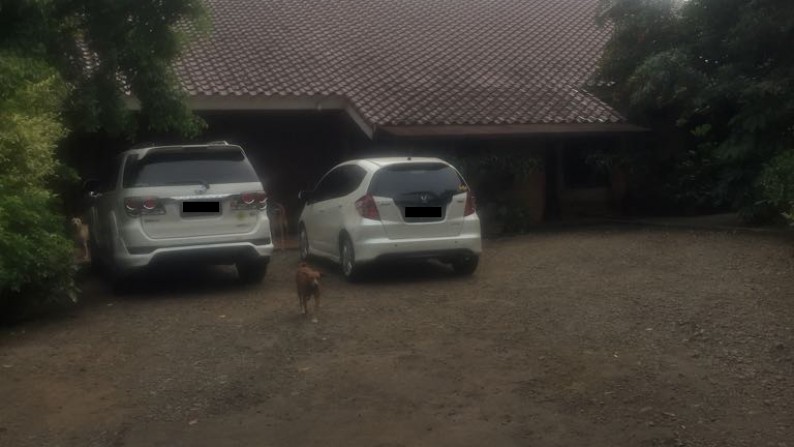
(278, 222)
(81, 236)
(308, 282)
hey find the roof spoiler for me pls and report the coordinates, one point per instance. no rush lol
(211, 145)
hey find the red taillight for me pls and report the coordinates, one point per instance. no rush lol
(367, 208)
(132, 204)
(136, 206)
(247, 198)
(471, 204)
(250, 200)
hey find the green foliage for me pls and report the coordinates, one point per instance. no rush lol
(777, 184)
(102, 48)
(73, 64)
(720, 70)
(36, 256)
(516, 163)
(604, 160)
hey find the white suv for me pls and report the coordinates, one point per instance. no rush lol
(391, 208)
(178, 204)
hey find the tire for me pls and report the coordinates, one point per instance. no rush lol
(466, 266)
(120, 282)
(97, 266)
(304, 243)
(347, 259)
(252, 272)
(119, 279)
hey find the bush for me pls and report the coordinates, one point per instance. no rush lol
(777, 185)
(36, 259)
(36, 256)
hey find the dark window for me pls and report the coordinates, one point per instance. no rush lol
(329, 186)
(579, 173)
(339, 182)
(353, 175)
(184, 168)
(112, 181)
(400, 181)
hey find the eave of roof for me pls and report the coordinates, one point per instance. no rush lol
(508, 130)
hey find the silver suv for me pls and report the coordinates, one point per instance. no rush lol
(178, 204)
(376, 209)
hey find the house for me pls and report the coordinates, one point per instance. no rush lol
(304, 84)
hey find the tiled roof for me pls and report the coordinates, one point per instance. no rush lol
(409, 62)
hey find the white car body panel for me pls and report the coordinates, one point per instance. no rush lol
(128, 242)
(327, 220)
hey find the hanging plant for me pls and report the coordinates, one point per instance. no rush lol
(520, 164)
(607, 160)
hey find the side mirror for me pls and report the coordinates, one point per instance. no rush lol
(91, 186)
(304, 196)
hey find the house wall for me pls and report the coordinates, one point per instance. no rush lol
(568, 187)
(291, 150)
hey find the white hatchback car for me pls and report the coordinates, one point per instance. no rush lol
(180, 204)
(391, 208)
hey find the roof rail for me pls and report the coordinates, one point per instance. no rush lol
(216, 142)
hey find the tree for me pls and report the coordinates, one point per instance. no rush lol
(67, 64)
(104, 49)
(720, 70)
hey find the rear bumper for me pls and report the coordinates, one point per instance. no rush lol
(373, 245)
(133, 249)
(431, 254)
(217, 253)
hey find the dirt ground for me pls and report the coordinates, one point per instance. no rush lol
(580, 337)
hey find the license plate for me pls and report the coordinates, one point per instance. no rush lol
(422, 211)
(201, 207)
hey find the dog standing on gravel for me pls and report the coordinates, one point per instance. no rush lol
(308, 282)
(80, 231)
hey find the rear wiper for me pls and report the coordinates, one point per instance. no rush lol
(204, 183)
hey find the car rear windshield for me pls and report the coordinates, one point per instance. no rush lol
(191, 167)
(411, 178)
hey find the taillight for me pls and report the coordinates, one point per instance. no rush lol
(471, 204)
(250, 200)
(136, 206)
(367, 208)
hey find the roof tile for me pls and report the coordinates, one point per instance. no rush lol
(409, 62)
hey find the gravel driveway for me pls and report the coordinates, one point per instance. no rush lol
(586, 337)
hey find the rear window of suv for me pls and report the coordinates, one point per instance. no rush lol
(410, 178)
(188, 167)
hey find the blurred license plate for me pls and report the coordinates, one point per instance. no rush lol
(422, 211)
(201, 207)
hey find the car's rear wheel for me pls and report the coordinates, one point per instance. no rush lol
(252, 272)
(347, 258)
(304, 244)
(119, 278)
(95, 257)
(466, 265)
